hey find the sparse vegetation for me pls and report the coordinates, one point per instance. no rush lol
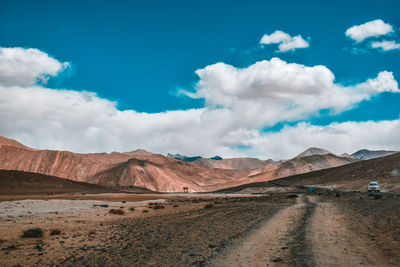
(145, 211)
(158, 206)
(116, 211)
(175, 206)
(32, 233)
(55, 231)
(132, 209)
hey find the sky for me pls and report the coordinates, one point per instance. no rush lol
(264, 79)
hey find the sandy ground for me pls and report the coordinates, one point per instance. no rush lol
(282, 229)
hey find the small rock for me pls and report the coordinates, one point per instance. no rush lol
(276, 259)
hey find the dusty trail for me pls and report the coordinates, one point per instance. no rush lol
(334, 245)
(279, 241)
(307, 233)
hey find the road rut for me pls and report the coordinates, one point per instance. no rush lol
(279, 241)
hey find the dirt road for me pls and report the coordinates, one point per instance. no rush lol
(307, 233)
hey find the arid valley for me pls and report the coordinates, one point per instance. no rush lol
(178, 133)
(318, 214)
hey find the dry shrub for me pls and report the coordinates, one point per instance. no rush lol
(132, 209)
(116, 211)
(32, 233)
(145, 211)
(237, 234)
(209, 206)
(176, 205)
(158, 206)
(55, 231)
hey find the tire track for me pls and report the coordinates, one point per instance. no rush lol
(280, 241)
(334, 244)
(300, 248)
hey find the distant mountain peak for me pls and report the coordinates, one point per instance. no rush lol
(11, 142)
(365, 154)
(313, 151)
(139, 152)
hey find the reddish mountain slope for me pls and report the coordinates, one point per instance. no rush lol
(300, 165)
(156, 172)
(291, 167)
(11, 142)
(142, 169)
(355, 176)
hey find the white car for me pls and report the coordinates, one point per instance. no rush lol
(373, 186)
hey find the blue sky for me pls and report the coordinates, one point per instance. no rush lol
(141, 53)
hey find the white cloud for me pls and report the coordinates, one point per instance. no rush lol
(386, 45)
(273, 91)
(370, 29)
(336, 137)
(239, 103)
(19, 66)
(285, 41)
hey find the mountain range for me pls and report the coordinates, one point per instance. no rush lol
(141, 168)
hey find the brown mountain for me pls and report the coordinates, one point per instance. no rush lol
(290, 167)
(300, 165)
(354, 176)
(140, 168)
(11, 142)
(18, 182)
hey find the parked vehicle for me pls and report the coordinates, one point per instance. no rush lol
(373, 186)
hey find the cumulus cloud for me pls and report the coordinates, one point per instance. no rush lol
(239, 104)
(369, 29)
(336, 137)
(23, 67)
(273, 91)
(285, 41)
(386, 45)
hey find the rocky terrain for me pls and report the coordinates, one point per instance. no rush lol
(283, 229)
